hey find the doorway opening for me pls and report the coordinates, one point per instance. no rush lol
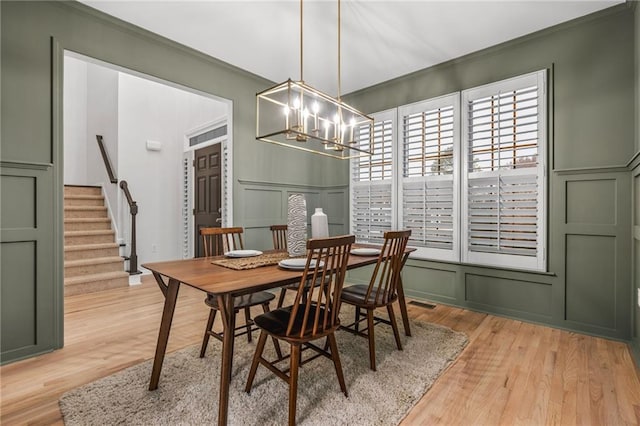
(149, 127)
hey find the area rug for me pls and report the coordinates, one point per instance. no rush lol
(188, 390)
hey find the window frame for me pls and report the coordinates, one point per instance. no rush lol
(453, 99)
(460, 252)
(387, 115)
(537, 263)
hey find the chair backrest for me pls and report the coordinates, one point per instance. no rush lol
(384, 281)
(318, 311)
(217, 241)
(279, 234)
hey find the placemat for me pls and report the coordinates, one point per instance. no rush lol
(240, 263)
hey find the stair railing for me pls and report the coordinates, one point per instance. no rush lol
(133, 206)
(133, 210)
(107, 161)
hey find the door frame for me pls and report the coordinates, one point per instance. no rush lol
(187, 243)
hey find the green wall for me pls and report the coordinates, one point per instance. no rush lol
(592, 139)
(34, 36)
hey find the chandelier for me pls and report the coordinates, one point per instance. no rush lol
(295, 115)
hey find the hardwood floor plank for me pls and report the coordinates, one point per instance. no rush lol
(510, 373)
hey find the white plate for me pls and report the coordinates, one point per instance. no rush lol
(243, 253)
(365, 251)
(297, 264)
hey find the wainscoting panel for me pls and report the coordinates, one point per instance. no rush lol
(596, 245)
(266, 204)
(18, 212)
(29, 297)
(18, 281)
(526, 298)
(429, 283)
(591, 202)
(262, 205)
(590, 282)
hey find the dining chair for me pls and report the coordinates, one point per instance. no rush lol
(380, 292)
(309, 318)
(279, 235)
(217, 241)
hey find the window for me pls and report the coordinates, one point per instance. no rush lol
(428, 192)
(466, 175)
(371, 187)
(504, 175)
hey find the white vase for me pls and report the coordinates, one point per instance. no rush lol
(319, 224)
(297, 225)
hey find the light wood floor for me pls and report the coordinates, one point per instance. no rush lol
(510, 373)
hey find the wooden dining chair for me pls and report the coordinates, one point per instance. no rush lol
(381, 291)
(217, 241)
(309, 318)
(279, 235)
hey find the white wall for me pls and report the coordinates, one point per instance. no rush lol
(152, 111)
(75, 126)
(102, 119)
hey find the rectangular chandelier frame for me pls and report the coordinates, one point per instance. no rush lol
(295, 115)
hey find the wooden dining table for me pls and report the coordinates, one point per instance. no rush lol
(227, 284)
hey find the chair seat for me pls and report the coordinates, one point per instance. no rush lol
(356, 294)
(276, 322)
(307, 284)
(242, 302)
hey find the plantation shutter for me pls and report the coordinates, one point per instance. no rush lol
(371, 183)
(429, 182)
(504, 178)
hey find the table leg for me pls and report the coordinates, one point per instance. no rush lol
(402, 302)
(229, 325)
(170, 298)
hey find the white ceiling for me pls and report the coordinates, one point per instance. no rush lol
(381, 40)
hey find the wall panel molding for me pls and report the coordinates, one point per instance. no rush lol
(594, 239)
(29, 310)
(265, 204)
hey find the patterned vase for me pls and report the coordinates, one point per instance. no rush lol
(297, 225)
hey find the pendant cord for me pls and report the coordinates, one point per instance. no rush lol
(301, 62)
(339, 71)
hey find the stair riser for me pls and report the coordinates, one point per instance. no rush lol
(82, 288)
(88, 239)
(83, 202)
(90, 254)
(74, 214)
(76, 271)
(86, 226)
(82, 190)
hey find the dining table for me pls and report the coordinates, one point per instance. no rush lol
(226, 284)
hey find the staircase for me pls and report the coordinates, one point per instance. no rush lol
(91, 256)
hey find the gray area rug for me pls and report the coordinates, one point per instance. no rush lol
(188, 390)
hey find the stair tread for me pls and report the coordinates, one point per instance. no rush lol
(98, 246)
(85, 208)
(94, 261)
(95, 277)
(89, 232)
(83, 197)
(86, 219)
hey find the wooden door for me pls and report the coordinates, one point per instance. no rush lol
(208, 191)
